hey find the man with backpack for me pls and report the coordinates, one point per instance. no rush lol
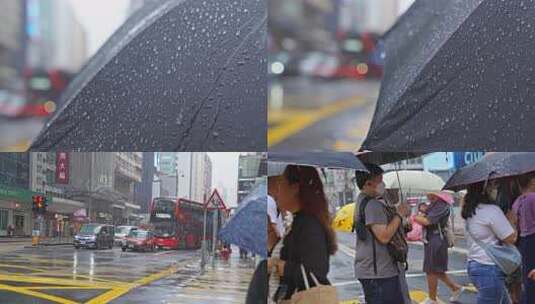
(381, 247)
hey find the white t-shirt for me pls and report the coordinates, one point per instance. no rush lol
(274, 217)
(489, 225)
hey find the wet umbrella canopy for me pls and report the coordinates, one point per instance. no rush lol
(247, 228)
(459, 76)
(492, 166)
(180, 75)
(333, 160)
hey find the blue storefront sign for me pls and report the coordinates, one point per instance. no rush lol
(462, 159)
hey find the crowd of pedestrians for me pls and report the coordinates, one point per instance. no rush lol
(500, 236)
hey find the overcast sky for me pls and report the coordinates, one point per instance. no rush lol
(100, 18)
(225, 172)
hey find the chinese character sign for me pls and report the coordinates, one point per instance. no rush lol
(62, 168)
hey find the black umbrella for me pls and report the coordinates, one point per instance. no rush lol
(381, 158)
(492, 166)
(458, 77)
(332, 160)
(180, 75)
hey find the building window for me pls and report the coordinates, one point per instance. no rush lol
(3, 219)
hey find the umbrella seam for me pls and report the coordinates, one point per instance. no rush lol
(232, 55)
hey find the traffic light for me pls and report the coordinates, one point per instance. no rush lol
(45, 204)
(40, 204)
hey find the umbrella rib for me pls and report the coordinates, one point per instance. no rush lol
(219, 75)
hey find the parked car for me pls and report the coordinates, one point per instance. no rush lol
(140, 240)
(121, 232)
(94, 236)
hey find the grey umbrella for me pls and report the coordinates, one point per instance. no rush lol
(492, 166)
(458, 77)
(182, 75)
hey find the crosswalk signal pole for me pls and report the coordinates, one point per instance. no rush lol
(203, 244)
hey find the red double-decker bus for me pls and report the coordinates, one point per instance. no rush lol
(178, 223)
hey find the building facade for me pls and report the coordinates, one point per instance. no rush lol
(143, 189)
(57, 40)
(185, 175)
(249, 173)
(15, 195)
(12, 49)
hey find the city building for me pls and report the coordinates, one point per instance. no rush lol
(184, 169)
(143, 190)
(128, 172)
(185, 175)
(57, 40)
(249, 173)
(201, 177)
(105, 183)
(12, 51)
(168, 185)
(167, 163)
(49, 174)
(15, 196)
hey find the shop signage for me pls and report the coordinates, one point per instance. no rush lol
(62, 168)
(16, 194)
(462, 159)
(80, 213)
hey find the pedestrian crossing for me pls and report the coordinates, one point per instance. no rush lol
(223, 282)
(417, 294)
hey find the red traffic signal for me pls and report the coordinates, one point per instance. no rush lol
(39, 203)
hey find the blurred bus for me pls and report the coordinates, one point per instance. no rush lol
(178, 223)
(361, 56)
(43, 91)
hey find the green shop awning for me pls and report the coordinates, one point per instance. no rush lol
(19, 194)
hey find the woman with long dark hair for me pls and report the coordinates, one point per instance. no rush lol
(486, 223)
(311, 239)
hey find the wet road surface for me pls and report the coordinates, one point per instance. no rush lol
(16, 134)
(308, 114)
(349, 290)
(61, 274)
(224, 282)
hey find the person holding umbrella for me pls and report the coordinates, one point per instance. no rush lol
(311, 239)
(524, 208)
(436, 246)
(486, 224)
(377, 226)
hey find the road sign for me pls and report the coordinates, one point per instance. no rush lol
(215, 202)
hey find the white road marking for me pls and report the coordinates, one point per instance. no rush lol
(454, 249)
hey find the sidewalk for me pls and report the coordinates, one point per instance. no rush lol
(15, 239)
(27, 241)
(222, 282)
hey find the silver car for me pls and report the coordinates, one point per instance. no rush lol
(121, 232)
